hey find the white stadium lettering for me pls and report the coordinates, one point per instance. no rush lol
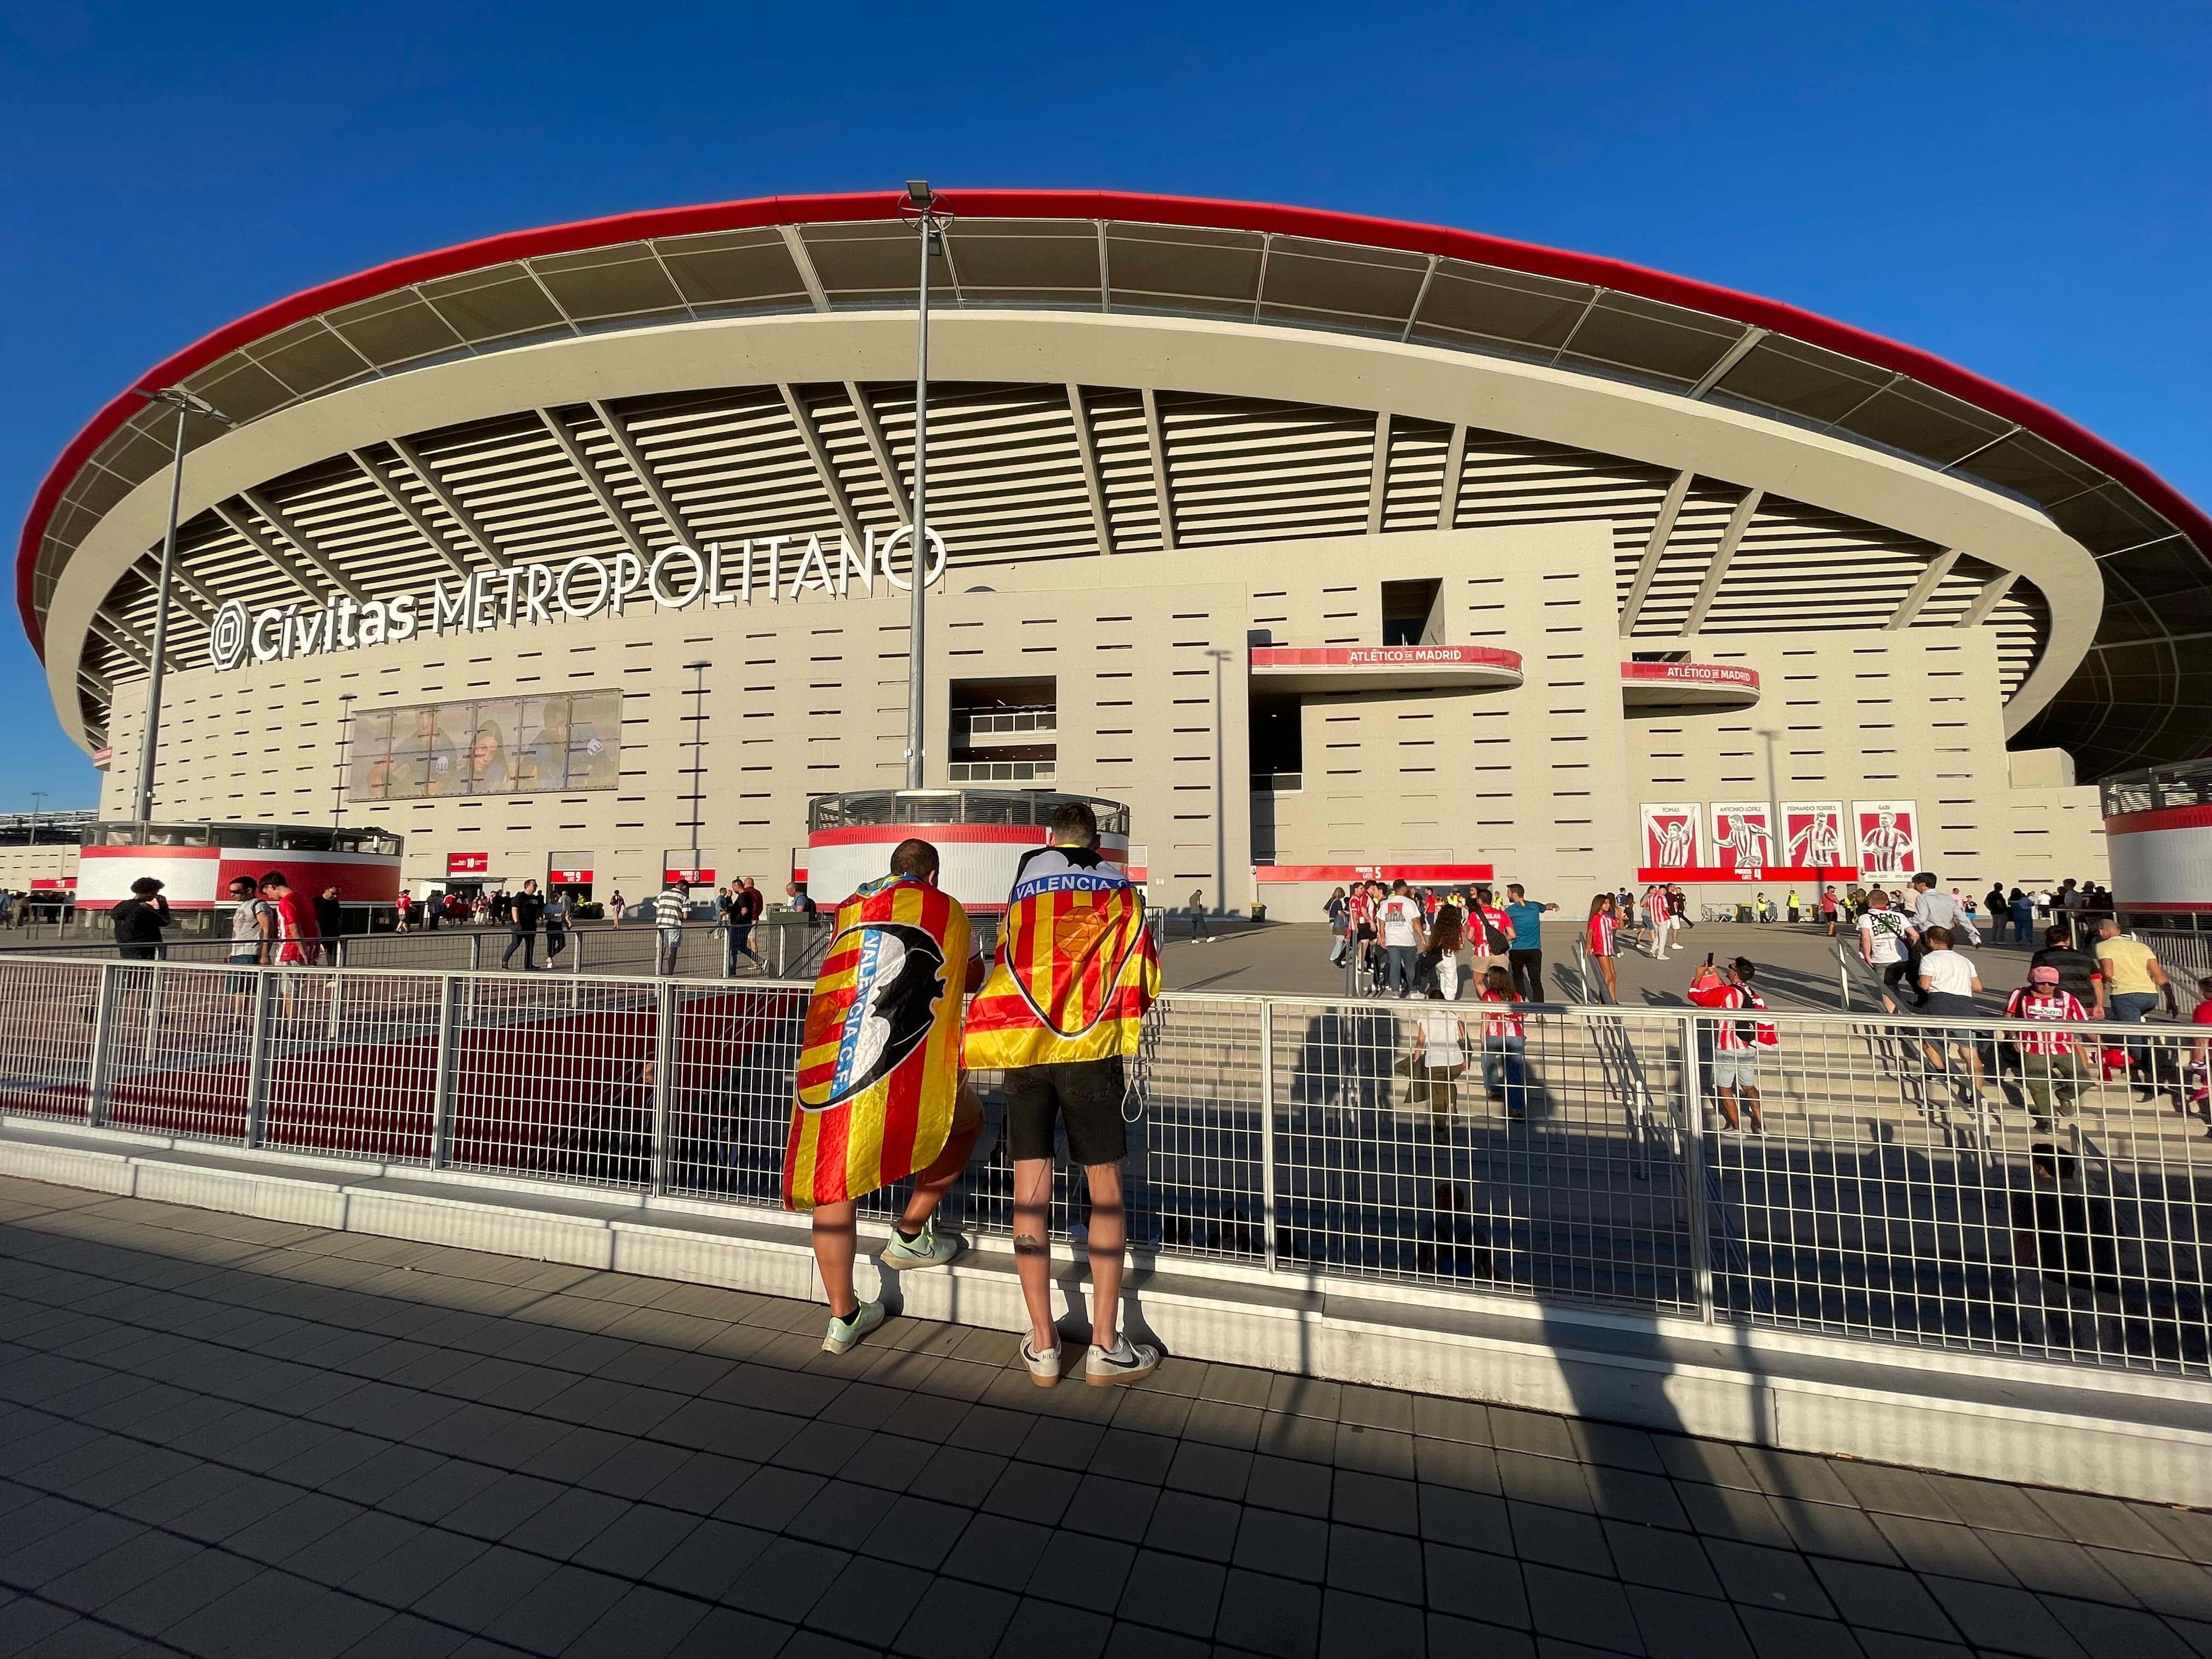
(679, 576)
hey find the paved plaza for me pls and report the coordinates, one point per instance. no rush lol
(1796, 965)
(223, 1435)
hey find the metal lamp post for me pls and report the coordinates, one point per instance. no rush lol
(698, 717)
(920, 206)
(187, 405)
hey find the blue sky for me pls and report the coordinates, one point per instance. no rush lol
(2025, 190)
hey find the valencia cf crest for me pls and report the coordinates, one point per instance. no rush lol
(897, 981)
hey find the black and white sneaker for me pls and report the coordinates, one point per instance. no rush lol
(1125, 1362)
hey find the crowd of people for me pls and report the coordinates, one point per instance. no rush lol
(1400, 940)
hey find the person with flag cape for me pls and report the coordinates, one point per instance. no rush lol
(1062, 1009)
(880, 1095)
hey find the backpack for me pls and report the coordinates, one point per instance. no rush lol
(1493, 941)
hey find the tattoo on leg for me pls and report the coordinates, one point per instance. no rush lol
(1029, 1244)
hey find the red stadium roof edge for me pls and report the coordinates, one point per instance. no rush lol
(1194, 211)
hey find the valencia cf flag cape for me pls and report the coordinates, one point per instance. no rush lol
(1076, 969)
(879, 1064)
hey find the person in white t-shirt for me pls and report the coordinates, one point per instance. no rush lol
(1883, 933)
(1439, 1058)
(1948, 982)
(1403, 937)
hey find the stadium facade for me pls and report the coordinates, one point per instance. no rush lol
(1326, 543)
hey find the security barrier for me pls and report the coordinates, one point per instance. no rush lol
(1890, 1191)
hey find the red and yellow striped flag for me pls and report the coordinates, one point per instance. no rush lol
(879, 1064)
(1076, 970)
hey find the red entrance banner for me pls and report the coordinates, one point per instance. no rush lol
(679, 876)
(468, 864)
(568, 877)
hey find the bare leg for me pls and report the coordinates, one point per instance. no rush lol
(1033, 1249)
(833, 1250)
(931, 1186)
(1751, 1105)
(1110, 1236)
(1727, 1098)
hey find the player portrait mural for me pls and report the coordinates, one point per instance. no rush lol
(1813, 835)
(1743, 837)
(1888, 837)
(1671, 834)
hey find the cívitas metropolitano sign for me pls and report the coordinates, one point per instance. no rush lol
(675, 577)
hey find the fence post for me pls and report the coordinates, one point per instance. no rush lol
(103, 1057)
(257, 1063)
(1267, 1129)
(664, 1050)
(1694, 1170)
(443, 1064)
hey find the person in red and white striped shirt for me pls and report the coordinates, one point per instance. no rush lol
(1604, 924)
(2050, 1067)
(1504, 1043)
(1735, 1042)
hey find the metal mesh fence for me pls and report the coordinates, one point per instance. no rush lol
(1862, 1176)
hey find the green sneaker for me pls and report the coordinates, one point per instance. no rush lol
(927, 1251)
(844, 1333)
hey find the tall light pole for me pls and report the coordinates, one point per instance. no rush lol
(698, 718)
(919, 206)
(345, 736)
(1220, 782)
(186, 406)
(38, 798)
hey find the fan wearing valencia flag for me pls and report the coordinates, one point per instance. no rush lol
(879, 1094)
(1063, 1010)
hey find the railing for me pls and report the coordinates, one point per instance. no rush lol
(1010, 722)
(784, 944)
(1021, 771)
(1889, 1197)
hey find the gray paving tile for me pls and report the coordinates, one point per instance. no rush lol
(2180, 1590)
(1269, 1615)
(1376, 1564)
(958, 1620)
(1884, 1598)
(1188, 1524)
(1579, 1607)
(2009, 1619)
(1281, 1483)
(1676, 1626)
(1173, 1593)
(2102, 1630)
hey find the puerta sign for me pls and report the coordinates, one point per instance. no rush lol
(772, 567)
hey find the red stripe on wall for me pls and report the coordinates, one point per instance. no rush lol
(2163, 817)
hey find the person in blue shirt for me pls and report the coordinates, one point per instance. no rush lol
(1526, 958)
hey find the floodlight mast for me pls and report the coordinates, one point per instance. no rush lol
(921, 206)
(186, 404)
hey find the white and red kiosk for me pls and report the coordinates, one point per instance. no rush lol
(980, 835)
(195, 863)
(2158, 837)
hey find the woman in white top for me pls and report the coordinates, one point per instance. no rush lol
(1949, 981)
(1438, 1058)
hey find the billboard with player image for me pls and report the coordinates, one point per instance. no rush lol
(1889, 836)
(568, 742)
(1671, 834)
(1743, 837)
(1813, 835)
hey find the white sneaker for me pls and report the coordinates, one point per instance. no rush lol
(1125, 1362)
(844, 1333)
(1044, 1368)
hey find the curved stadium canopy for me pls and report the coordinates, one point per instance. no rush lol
(1058, 466)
